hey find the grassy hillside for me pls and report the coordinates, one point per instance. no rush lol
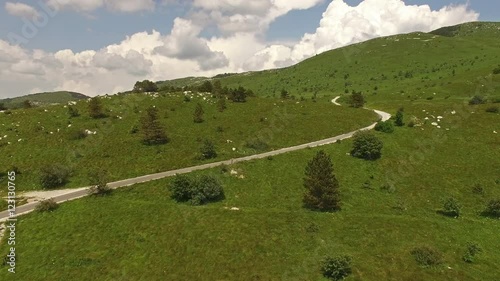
(140, 233)
(44, 98)
(41, 136)
(389, 206)
(407, 67)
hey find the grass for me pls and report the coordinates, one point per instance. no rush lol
(278, 123)
(139, 232)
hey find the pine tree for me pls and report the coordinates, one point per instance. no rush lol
(198, 114)
(152, 131)
(95, 108)
(322, 188)
(221, 104)
(399, 118)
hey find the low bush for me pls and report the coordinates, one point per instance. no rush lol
(426, 256)
(477, 100)
(99, 184)
(47, 205)
(336, 268)
(197, 191)
(366, 146)
(493, 208)
(386, 127)
(472, 250)
(451, 207)
(54, 175)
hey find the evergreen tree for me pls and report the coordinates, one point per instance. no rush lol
(322, 188)
(95, 108)
(217, 89)
(73, 112)
(357, 99)
(198, 114)
(152, 131)
(27, 104)
(221, 104)
(399, 118)
(208, 150)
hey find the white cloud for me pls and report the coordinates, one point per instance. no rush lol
(130, 6)
(342, 24)
(28, 67)
(184, 43)
(21, 10)
(126, 6)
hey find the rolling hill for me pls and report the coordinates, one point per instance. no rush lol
(46, 98)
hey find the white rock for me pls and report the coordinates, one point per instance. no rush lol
(495, 132)
(439, 127)
(233, 172)
(235, 209)
(51, 133)
(434, 124)
(453, 112)
(234, 148)
(440, 117)
(69, 126)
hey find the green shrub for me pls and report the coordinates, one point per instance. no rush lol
(492, 109)
(47, 205)
(73, 112)
(385, 126)
(496, 70)
(366, 146)
(477, 100)
(54, 175)
(99, 183)
(472, 250)
(336, 268)
(493, 208)
(197, 191)
(426, 256)
(451, 207)
(208, 150)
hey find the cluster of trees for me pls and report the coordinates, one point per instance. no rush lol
(145, 86)
(239, 94)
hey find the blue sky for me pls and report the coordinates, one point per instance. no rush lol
(80, 32)
(129, 40)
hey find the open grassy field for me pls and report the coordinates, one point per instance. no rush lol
(139, 233)
(42, 136)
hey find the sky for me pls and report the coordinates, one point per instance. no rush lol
(100, 47)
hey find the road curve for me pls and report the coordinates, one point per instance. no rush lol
(24, 209)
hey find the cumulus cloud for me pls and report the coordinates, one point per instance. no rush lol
(184, 43)
(127, 6)
(21, 10)
(231, 16)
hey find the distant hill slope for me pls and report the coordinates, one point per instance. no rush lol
(449, 62)
(44, 98)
